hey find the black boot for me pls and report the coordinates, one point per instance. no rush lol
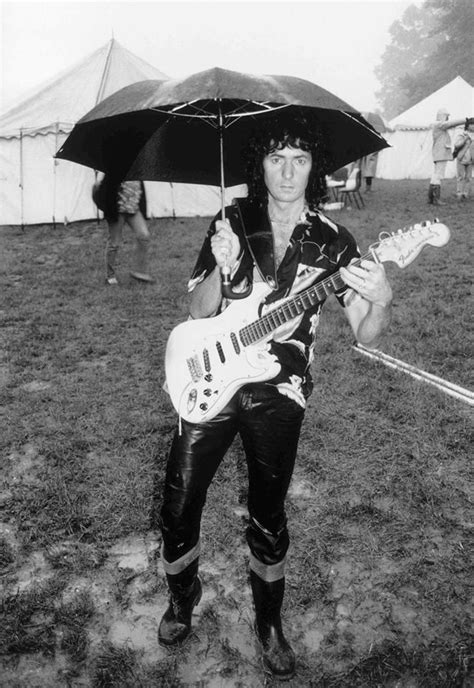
(437, 195)
(186, 591)
(278, 656)
(431, 194)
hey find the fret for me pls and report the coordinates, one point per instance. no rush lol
(272, 317)
(298, 305)
(319, 290)
(336, 281)
(244, 337)
(326, 286)
(280, 315)
(306, 302)
(251, 333)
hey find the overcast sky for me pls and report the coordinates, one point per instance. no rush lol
(335, 43)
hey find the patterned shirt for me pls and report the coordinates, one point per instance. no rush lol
(129, 195)
(317, 249)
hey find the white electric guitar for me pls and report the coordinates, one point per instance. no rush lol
(209, 359)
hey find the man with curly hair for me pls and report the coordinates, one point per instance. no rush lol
(276, 236)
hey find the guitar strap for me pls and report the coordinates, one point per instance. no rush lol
(257, 232)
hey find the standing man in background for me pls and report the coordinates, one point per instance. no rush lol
(441, 152)
(464, 154)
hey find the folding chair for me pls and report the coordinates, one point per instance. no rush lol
(351, 189)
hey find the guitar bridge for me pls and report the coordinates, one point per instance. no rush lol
(195, 368)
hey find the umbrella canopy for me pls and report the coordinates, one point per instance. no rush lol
(193, 130)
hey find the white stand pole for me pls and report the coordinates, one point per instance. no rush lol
(447, 387)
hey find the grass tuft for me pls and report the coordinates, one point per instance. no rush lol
(28, 620)
(113, 667)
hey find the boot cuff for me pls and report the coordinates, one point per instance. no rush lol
(175, 567)
(268, 573)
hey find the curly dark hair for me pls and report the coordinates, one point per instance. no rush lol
(296, 131)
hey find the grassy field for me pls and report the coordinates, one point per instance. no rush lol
(379, 573)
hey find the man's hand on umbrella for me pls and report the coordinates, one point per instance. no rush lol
(225, 245)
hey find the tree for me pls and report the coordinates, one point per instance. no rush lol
(430, 45)
(454, 55)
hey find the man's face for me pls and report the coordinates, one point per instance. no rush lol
(286, 173)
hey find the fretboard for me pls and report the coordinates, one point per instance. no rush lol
(274, 318)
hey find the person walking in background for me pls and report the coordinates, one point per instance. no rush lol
(441, 152)
(368, 166)
(124, 202)
(464, 155)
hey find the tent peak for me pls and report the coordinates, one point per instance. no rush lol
(74, 91)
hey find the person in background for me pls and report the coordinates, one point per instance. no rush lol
(464, 154)
(124, 202)
(441, 152)
(277, 240)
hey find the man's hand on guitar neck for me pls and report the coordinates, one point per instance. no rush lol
(369, 315)
(370, 281)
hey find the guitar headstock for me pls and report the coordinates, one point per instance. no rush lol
(403, 246)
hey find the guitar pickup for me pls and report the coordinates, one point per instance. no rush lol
(220, 351)
(195, 368)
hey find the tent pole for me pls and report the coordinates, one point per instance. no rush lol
(172, 200)
(55, 163)
(97, 216)
(104, 74)
(21, 183)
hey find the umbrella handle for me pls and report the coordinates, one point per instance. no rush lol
(226, 287)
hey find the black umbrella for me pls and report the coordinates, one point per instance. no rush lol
(193, 130)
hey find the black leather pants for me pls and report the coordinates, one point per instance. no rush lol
(269, 424)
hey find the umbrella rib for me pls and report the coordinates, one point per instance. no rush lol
(211, 118)
(372, 131)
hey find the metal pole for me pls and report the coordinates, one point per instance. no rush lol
(221, 150)
(226, 287)
(418, 374)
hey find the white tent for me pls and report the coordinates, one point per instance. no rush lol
(411, 138)
(36, 188)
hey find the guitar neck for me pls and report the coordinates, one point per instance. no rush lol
(273, 319)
